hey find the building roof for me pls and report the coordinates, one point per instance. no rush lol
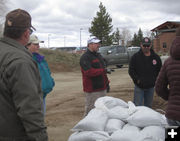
(167, 25)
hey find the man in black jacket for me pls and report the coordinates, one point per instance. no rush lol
(144, 67)
(94, 75)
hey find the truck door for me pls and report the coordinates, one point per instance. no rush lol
(121, 55)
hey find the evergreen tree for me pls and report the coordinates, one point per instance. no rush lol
(137, 38)
(135, 41)
(140, 35)
(101, 26)
(116, 36)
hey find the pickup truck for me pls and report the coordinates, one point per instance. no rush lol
(117, 55)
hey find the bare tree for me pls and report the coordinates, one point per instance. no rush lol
(3, 8)
(126, 36)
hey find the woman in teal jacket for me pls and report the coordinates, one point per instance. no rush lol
(47, 82)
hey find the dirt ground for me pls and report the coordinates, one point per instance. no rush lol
(65, 104)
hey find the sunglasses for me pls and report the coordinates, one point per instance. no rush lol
(146, 45)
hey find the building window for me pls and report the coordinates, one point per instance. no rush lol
(164, 45)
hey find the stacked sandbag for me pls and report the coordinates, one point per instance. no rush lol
(112, 119)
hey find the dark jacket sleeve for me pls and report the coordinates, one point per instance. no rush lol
(132, 69)
(88, 70)
(161, 86)
(159, 64)
(27, 98)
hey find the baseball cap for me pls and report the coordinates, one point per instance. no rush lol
(93, 39)
(146, 41)
(34, 39)
(18, 18)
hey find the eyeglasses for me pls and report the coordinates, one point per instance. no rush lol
(30, 31)
(146, 45)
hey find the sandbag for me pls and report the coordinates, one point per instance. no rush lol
(113, 125)
(109, 102)
(153, 133)
(95, 121)
(129, 127)
(145, 116)
(118, 112)
(90, 136)
(125, 135)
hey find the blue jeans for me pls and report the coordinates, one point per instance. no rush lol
(143, 96)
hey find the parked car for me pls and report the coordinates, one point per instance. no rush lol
(80, 50)
(133, 49)
(117, 55)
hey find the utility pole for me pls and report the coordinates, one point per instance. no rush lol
(49, 40)
(80, 36)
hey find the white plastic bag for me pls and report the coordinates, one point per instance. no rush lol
(95, 121)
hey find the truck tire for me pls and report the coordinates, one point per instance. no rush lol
(119, 66)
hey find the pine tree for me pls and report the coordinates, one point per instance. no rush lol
(116, 36)
(101, 26)
(136, 41)
(140, 35)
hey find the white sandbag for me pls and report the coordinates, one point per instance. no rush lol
(95, 121)
(125, 135)
(129, 127)
(109, 102)
(114, 125)
(153, 133)
(118, 112)
(90, 136)
(145, 116)
(132, 107)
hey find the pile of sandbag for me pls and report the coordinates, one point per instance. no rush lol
(112, 119)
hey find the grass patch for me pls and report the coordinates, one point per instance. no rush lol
(60, 61)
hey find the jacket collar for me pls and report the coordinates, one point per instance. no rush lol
(15, 44)
(94, 53)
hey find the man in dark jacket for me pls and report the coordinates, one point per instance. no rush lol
(143, 69)
(21, 97)
(94, 75)
(168, 83)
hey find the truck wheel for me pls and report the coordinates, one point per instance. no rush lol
(119, 66)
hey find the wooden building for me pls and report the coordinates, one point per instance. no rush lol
(164, 35)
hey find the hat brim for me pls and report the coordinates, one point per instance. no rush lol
(33, 28)
(95, 42)
(37, 42)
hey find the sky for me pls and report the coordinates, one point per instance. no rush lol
(63, 23)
